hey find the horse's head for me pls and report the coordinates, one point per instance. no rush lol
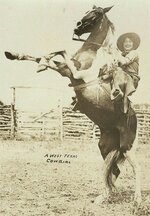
(91, 18)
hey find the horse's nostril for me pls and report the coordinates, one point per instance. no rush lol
(79, 23)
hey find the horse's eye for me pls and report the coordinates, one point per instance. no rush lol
(87, 12)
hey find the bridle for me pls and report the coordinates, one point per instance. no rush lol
(83, 40)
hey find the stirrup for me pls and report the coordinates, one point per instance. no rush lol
(117, 97)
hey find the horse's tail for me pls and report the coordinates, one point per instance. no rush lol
(112, 159)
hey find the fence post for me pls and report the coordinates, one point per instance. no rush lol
(43, 128)
(93, 132)
(13, 114)
(60, 120)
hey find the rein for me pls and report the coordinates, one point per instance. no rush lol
(84, 85)
(97, 81)
(83, 40)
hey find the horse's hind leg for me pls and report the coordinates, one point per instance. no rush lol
(131, 157)
(107, 143)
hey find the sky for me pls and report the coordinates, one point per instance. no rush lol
(38, 27)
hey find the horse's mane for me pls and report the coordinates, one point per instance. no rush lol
(111, 26)
(108, 43)
(106, 55)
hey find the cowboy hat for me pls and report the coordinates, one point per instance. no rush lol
(133, 36)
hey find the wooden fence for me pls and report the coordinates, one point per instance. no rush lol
(76, 125)
(5, 121)
(38, 125)
(60, 123)
(143, 117)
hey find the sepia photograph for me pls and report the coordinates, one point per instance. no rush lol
(74, 107)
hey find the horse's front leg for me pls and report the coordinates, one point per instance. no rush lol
(44, 62)
(77, 74)
(21, 57)
(70, 65)
(131, 157)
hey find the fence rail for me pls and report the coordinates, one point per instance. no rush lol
(60, 123)
(37, 125)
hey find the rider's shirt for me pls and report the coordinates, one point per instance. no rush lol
(129, 62)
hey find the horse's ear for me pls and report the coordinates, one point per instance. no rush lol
(105, 10)
(94, 7)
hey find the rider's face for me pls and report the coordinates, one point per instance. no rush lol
(128, 44)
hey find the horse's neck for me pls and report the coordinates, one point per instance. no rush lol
(91, 59)
(91, 55)
(87, 53)
(97, 36)
(104, 56)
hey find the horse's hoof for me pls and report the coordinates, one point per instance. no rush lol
(135, 209)
(136, 204)
(99, 199)
(62, 53)
(10, 55)
(41, 68)
(137, 200)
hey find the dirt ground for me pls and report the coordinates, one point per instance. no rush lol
(51, 178)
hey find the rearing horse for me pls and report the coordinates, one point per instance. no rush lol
(93, 96)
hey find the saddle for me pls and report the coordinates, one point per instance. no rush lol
(120, 91)
(118, 95)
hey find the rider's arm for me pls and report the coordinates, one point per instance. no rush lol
(130, 57)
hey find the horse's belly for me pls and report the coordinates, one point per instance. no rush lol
(99, 97)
